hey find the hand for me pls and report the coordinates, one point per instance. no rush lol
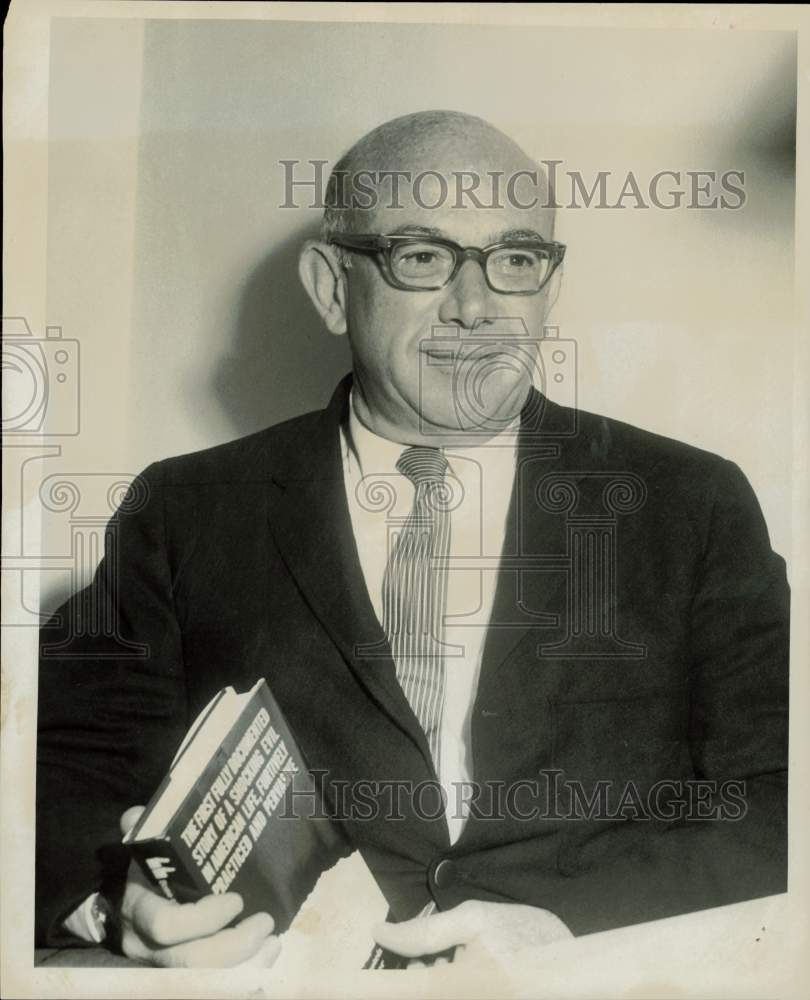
(477, 929)
(190, 935)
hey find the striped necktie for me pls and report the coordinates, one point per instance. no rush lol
(415, 591)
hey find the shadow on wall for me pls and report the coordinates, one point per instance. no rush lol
(283, 361)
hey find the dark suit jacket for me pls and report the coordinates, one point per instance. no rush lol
(639, 635)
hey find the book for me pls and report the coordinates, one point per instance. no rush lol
(238, 811)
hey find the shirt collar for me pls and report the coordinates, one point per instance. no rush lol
(374, 454)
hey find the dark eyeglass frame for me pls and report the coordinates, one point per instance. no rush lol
(383, 246)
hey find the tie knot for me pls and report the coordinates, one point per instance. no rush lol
(422, 465)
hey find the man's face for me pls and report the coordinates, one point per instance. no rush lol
(431, 364)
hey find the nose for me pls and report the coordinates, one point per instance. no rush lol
(467, 300)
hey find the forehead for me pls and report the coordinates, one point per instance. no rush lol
(470, 184)
(467, 207)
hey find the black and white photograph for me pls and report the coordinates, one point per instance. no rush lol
(405, 419)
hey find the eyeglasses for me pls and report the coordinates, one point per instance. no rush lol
(420, 264)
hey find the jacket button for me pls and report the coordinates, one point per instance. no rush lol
(444, 874)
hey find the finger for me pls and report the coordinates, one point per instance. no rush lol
(224, 949)
(427, 935)
(265, 957)
(130, 818)
(165, 923)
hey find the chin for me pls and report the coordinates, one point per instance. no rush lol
(473, 401)
(490, 403)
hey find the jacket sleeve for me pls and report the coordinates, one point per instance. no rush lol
(112, 708)
(738, 732)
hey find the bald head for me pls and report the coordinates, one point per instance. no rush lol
(431, 140)
(436, 159)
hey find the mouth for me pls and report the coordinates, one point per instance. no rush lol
(442, 355)
(477, 353)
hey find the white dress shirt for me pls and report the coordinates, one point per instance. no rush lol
(481, 479)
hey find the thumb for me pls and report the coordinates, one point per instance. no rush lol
(428, 935)
(130, 818)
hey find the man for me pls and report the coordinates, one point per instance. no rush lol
(575, 628)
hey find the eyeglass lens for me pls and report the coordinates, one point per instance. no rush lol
(509, 269)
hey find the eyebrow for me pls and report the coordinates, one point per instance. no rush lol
(408, 230)
(521, 234)
(509, 234)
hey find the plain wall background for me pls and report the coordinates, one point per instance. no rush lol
(171, 262)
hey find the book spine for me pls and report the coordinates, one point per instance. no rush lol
(168, 871)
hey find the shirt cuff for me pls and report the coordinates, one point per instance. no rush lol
(83, 921)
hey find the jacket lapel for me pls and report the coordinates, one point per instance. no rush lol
(530, 594)
(311, 524)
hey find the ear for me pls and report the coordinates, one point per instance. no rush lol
(324, 279)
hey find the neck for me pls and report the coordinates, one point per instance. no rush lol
(433, 436)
